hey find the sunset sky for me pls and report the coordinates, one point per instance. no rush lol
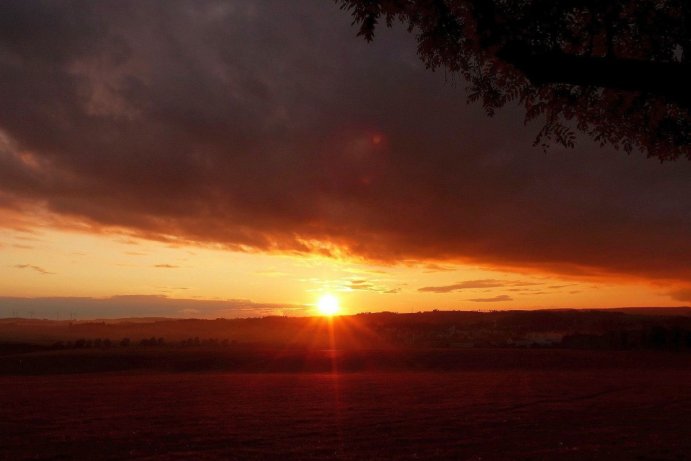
(233, 159)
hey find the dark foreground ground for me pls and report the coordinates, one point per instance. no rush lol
(631, 410)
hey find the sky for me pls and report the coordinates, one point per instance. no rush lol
(232, 159)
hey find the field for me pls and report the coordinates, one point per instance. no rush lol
(565, 410)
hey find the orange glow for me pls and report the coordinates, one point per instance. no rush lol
(200, 281)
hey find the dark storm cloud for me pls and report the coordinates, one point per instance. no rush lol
(269, 125)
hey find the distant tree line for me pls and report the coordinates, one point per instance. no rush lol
(655, 337)
(107, 343)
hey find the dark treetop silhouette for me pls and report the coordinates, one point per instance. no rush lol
(618, 71)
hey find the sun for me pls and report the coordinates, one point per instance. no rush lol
(328, 305)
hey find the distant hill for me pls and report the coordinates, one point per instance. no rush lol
(368, 330)
(672, 311)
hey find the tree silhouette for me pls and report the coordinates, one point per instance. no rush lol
(618, 71)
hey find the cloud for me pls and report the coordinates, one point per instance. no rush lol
(272, 273)
(682, 294)
(359, 282)
(269, 126)
(166, 266)
(495, 299)
(141, 306)
(433, 267)
(367, 285)
(470, 284)
(476, 284)
(38, 269)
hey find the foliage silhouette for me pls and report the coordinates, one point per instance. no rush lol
(618, 71)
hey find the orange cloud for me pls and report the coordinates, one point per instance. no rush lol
(682, 294)
(32, 267)
(142, 306)
(495, 299)
(476, 284)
